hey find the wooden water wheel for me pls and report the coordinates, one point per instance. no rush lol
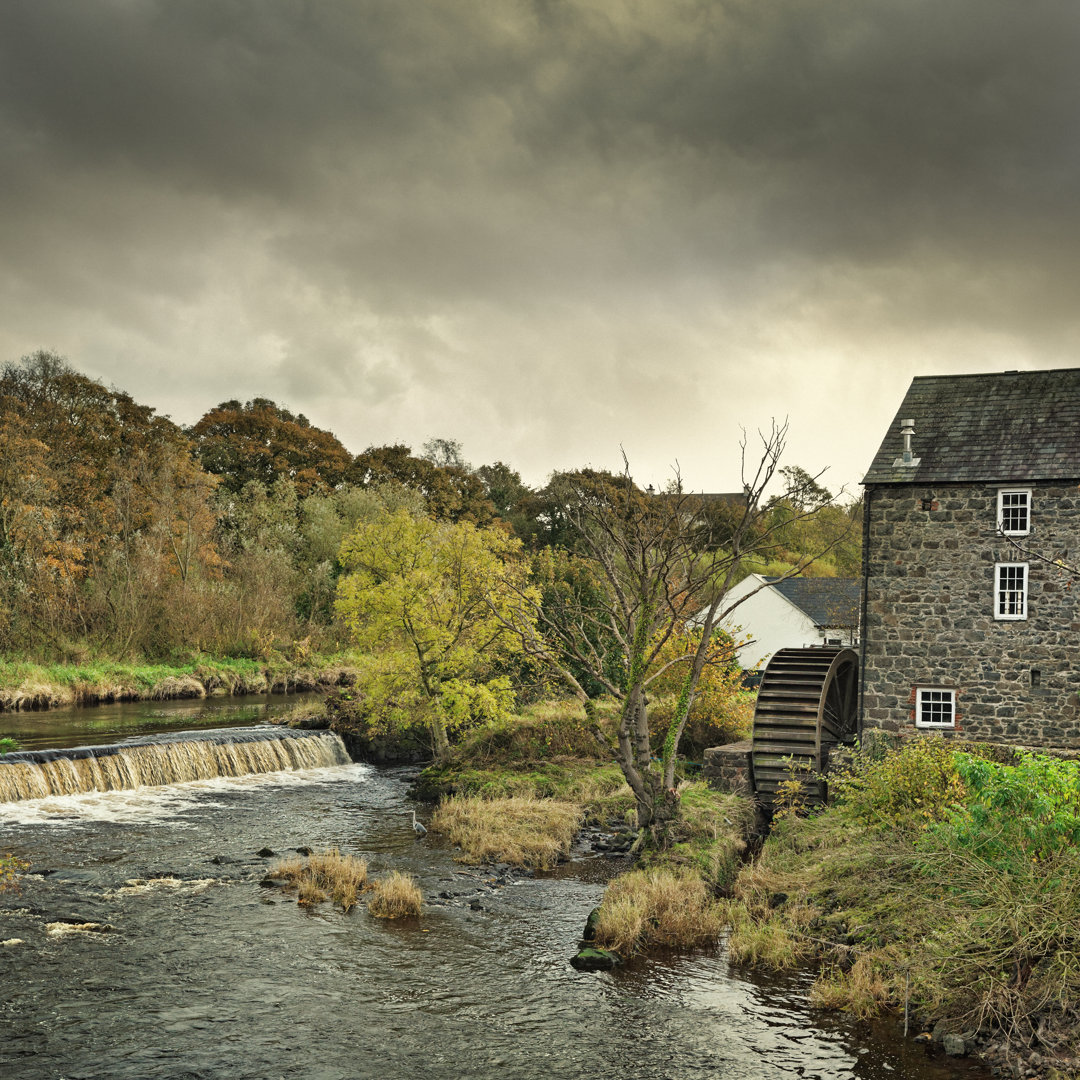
(807, 703)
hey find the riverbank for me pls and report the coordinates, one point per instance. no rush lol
(29, 686)
(524, 791)
(941, 887)
(478, 987)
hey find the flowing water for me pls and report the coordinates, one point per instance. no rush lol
(148, 948)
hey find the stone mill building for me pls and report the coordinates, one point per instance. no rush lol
(971, 603)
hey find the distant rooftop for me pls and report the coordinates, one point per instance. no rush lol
(1007, 426)
(827, 601)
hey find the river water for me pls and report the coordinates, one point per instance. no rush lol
(150, 949)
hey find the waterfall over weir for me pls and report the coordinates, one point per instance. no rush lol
(163, 759)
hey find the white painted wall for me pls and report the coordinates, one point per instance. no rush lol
(772, 620)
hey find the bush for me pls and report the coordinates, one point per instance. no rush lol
(1014, 814)
(722, 711)
(10, 868)
(907, 790)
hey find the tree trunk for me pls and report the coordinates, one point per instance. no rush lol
(439, 737)
(658, 813)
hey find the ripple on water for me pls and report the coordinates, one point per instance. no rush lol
(205, 974)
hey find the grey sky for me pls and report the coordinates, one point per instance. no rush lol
(545, 229)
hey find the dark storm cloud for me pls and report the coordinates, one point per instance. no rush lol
(501, 211)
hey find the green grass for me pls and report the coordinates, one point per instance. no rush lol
(24, 684)
(600, 790)
(549, 751)
(942, 878)
(709, 838)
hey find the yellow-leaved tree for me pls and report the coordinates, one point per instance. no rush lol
(432, 602)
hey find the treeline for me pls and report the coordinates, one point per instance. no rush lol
(123, 534)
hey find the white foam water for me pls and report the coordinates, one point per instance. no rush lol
(162, 804)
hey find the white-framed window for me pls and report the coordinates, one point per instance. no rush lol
(1010, 590)
(935, 707)
(1014, 511)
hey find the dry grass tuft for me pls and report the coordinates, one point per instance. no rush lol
(177, 686)
(766, 945)
(395, 896)
(520, 830)
(325, 875)
(31, 695)
(862, 991)
(657, 907)
(308, 893)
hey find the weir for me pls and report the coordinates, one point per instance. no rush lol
(166, 759)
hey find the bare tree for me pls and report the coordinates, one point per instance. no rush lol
(642, 574)
(1065, 568)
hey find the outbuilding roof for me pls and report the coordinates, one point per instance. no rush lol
(826, 601)
(1007, 426)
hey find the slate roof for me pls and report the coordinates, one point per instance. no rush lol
(1007, 426)
(827, 601)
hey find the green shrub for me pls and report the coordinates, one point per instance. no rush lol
(10, 868)
(1014, 814)
(905, 791)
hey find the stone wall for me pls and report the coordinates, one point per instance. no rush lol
(727, 768)
(930, 584)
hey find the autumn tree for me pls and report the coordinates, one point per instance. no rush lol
(326, 519)
(450, 491)
(507, 492)
(78, 502)
(262, 441)
(434, 601)
(647, 572)
(445, 452)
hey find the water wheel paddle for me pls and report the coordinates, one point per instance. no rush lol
(806, 704)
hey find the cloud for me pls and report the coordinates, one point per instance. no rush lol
(546, 228)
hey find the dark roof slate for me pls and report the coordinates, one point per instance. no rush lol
(1007, 426)
(827, 601)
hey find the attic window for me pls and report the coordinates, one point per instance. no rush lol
(1011, 589)
(935, 707)
(1014, 511)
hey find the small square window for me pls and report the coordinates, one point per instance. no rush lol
(1010, 590)
(1014, 512)
(935, 708)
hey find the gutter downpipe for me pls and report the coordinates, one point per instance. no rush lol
(869, 494)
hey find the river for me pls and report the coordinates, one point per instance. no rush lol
(195, 970)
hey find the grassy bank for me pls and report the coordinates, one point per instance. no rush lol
(26, 685)
(939, 883)
(519, 791)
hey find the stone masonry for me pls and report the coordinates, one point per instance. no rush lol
(931, 549)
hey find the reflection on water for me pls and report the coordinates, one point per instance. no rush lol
(204, 973)
(110, 723)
